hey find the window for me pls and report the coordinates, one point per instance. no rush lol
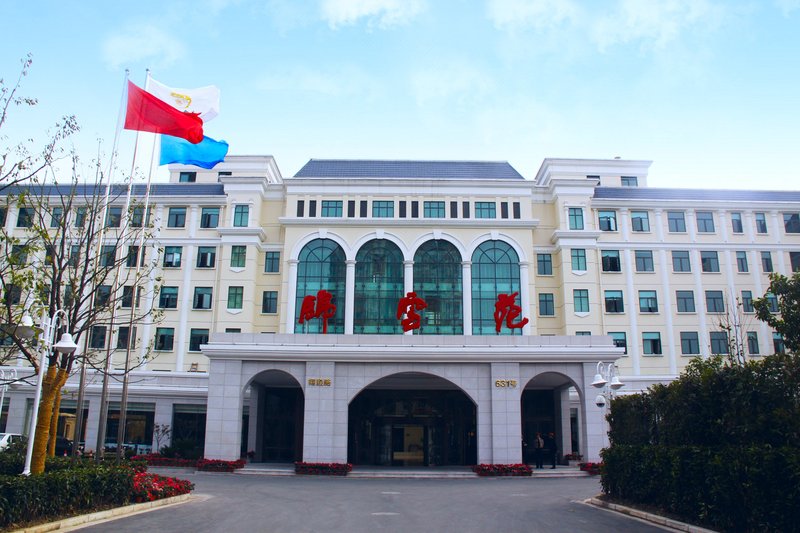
(97, 338)
(74, 255)
(705, 222)
(222, 173)
(124, 337)
(715, 303)
(164, 339)
(206, 256)
(80, 217)
(414, 209)
(102, 295)
(235, 296)
(544, 264)
(681, 261)
(709, 261)
(176, 217)
(196, 338)
(168, 298)
(312, 208)
(580, 297)
(209, 217)
(241, 216)
(331, 208)
(172, 256)
(202, 298)
(362, 209)
(127, 296)
(772, 302)
(610, 260)
(607, 220)
(56, 216)
(25, 217)
(648, 302)
(651, 341)
(465, 209)
(741, 261)
(503, 209)
(777, 342)
(719, 342)
(114, 217)
(629, 181)
(133, 256)
(620, 339)
(791, 222)
(301, 207)
(187, 177)
(19, 255)
(382, 209)
(575, 218)
(614, 302)
(766, 262)
(238, 256)
(676, 222)
(351, 208)
(640, 221)
(685, 301)
(12, 294)
(433, 209)
(485, 210)
(272, 262)
(578, 258)
(644, 261)
(269, 302)
(761, 223)
(546, 304)
(233, 330)
(747, 302)
(454, 209)
(736, 223)
(516, 211)
(3, 214)
(794, 259)
(752, 343)
(108, 256)
(690, 343)
(137, 216)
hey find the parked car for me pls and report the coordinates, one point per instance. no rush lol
(63, 446)
(9, 438)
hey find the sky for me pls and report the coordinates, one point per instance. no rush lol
(708, 90)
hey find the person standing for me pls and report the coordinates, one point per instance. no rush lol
(538, 450)
(550, 447)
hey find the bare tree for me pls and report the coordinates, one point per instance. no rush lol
(735, 323)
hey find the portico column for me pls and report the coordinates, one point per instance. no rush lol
(325, 417)
(466, 291)
(594, 421)
(349, 295)
(224, 411)
(408, 276)
(292, 296)
(525, 294)
(506, 413)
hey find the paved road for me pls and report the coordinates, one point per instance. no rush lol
(243, 503)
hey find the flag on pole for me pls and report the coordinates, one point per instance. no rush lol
(148, 113)
(205, 154)
(204, 100)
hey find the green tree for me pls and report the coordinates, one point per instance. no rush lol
(785, 317)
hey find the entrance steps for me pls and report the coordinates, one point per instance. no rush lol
(441, 472)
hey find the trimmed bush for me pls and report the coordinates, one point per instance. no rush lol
(322, 469)
(218, 465)
(151, 487)
(487, 470)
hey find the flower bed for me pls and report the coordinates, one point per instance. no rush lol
(156, 459)
(218, 465)
(573, 457)
(502, 470)
(151, 487)
(322, 469)
(591, 468)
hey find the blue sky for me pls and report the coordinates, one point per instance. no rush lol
(709, 90)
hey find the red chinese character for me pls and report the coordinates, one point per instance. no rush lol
(324, 308)
(506, 309)
(409, 305)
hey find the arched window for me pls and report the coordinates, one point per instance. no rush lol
(495, 270)
(379, 287)
(321, 265)
(437, 280)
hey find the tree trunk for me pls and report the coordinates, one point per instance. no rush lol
(43, 421)
(61, 380)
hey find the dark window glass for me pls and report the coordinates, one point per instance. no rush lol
(272, 262)
(495, 270)
(176, 217)
(269, 302)
(378, 288)
(196, 338)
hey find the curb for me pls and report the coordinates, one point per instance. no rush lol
(675, 525)
(109, 514)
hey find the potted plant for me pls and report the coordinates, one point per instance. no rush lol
(573, 458)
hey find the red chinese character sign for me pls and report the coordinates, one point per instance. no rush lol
(408, 306)
(319, 306)
(505, 309)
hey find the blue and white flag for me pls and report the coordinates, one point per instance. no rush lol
(205, 154)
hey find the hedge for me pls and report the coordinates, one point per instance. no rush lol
(322, 469)
(732, 488)
(64, 492)
(488, 470)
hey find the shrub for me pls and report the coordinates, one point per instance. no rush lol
(218, 465)
(322, 469)
(155, 459)
(592, 468)
(151, 487)
(502, 470)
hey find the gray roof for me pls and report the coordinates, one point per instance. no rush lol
(348, 168)
(647, 193)
(118, 189)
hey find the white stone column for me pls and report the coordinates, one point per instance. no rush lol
(349, 295)
(92, 421)
(224, 411)
(594, 417)
(632, 303)
(525, 295)
(254, 436)
(325, 418)
(291, 296)
(506, 414)
(162, 415)
(466, 293)
(408, 276)
(565, 434)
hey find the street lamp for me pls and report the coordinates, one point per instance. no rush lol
(607, 379)
(65, 345)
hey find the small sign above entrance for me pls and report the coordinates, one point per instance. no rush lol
(319, 382)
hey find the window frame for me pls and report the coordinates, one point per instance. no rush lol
(547, 302)
(607, 220)
(692, 338)
(683, 299)
(199, 298)
(674, 224)
(241, 215)
(651, 298)
(683, 262)
(203, 255)
(209, 217)
(644, 259)
(162, 336)
(176, 217)
(640, 221)
(651, 343)
(383, 209)
(238, 256)
(544, 262)
(614, 301)
(235, 301)
(715, 301)
(709, 264)
(580, 300)
(271, 298)
(578, 259)
(433, 209)
(575, 215)
(486, 210)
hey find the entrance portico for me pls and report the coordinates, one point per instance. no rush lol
(342, 376)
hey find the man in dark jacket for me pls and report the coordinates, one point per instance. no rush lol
(550, 448)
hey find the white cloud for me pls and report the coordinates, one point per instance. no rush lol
(458, 81)
(139, 43)
(380, 13)
(335, 81)
(514, 15)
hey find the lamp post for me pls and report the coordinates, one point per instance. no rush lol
(606, 379)
(66, 346)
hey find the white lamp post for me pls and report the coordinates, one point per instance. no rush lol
(607, 379)
(65, 346)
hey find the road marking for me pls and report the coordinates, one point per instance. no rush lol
(390, 492)
(385, 514)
